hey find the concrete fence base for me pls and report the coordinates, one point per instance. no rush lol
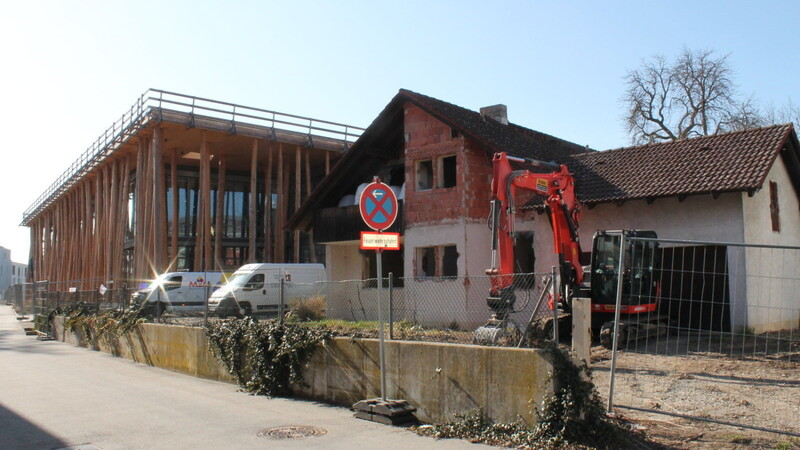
(439, 379)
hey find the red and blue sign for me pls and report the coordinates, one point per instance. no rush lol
(378, 206)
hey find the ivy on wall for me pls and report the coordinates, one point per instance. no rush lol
(266, 358)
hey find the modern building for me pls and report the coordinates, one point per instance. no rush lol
(11, 273)
(183, 183)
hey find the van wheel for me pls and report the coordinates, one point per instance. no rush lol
(246, 310)
(159, 308)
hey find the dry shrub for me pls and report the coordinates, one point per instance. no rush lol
(312, 309)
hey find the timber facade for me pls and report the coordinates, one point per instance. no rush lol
(183, 183)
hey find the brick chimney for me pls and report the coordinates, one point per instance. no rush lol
(496, 112)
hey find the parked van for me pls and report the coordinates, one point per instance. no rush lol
(179, 291)
(255, 288)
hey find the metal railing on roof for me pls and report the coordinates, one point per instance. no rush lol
(154, 103)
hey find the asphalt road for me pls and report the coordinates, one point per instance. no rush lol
(54, 395)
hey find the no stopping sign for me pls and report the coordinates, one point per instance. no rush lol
(378, 206)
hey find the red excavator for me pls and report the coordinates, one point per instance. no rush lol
(557, 187)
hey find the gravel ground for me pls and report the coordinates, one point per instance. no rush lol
(754, 390)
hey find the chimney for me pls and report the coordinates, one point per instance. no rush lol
(496, 112)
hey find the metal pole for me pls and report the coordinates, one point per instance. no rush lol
(556, 291)
(615, 339)
(380, 325)
(391, 306)
(280, 309)
(205, 302)
(158, 304)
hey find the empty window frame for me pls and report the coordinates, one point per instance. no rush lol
(449, 261)
(447, 171)
(436, 261)
(423, 175)
(426, 262)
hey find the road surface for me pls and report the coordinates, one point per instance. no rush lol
(54, 395)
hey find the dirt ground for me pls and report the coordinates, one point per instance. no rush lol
(756, 385)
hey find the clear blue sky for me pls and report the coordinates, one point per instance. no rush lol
(71, 68)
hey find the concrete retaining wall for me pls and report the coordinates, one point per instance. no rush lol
(439, 379)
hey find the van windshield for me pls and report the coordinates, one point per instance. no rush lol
(166, 282)
(239, 279)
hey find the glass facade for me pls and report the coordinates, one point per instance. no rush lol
(235, 220)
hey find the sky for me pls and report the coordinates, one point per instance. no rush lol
(69, 69)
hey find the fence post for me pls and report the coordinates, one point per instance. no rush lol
(205, 302)
(615, 340)
(280, 308)
(391, 306)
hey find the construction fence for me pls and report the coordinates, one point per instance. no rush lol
(724, 343)
(446, 309)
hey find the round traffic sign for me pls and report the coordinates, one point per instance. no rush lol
(378, 206)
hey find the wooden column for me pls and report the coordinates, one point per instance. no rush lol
(327, 162)
(159, 216)
(138, 213)
(111, 222)
(268, 244)
(123, 219)
(312, 257)
(298, 191)
(280, 208)
(207, 256)
(173, 180)
(202, 248)
(251, 230)
(219, 232)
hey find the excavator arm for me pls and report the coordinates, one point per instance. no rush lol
(558, 190)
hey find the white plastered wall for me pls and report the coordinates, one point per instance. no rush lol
(773, 275)
(700, 218)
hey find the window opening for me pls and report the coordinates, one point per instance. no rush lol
(426, 262)
(450, 261)
(447, 172)
(424, 175)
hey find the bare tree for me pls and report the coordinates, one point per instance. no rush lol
(788, 112)
(692, 96)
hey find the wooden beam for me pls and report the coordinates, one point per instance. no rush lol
(268, 244)
(111, 221)
(173, 179)
(298, 191)
(219, 232)
(251, 229)
(159, 216)
(312, 258)
(138, 213)
(280, 208)
(207, 256)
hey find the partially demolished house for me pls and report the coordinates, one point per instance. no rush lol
(739, 187)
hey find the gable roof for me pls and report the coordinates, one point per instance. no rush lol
(383, 141)
(512, 139)
(731, 162)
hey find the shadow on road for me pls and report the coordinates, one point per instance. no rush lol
(18, 432)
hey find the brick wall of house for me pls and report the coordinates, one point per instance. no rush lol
(428, 139)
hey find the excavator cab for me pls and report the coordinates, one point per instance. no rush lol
(639, 287)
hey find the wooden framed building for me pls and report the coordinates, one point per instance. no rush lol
(183, 183)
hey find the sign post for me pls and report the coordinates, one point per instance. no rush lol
(378, 207)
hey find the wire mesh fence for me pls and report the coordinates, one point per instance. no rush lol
(444, 309)
(723, 344)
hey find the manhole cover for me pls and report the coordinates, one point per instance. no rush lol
(292, 432)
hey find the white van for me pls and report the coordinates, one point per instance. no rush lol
(179, 291)
(255, 288)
